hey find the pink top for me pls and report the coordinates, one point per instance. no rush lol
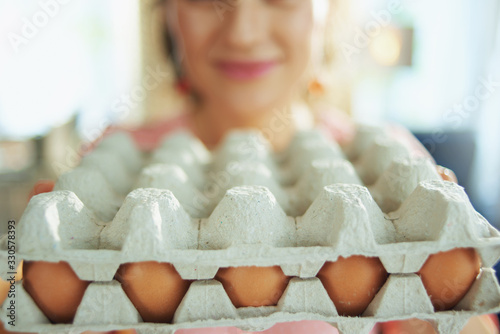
(335, 125)
(296, 327)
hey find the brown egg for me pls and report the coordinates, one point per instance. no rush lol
(5, 286)
(253, 286)
(352, 282)
(4, 290)
(19, 275)
(447, 276)
(155, 289)
(55, 288)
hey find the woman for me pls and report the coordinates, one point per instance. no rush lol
(243, 64)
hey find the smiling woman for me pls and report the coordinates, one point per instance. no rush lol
(272, 54)
(226, 52)
(257, 53)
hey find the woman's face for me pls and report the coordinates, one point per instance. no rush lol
(243, 55)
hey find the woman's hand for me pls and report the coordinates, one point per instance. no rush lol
(42, 186)
(446, 174)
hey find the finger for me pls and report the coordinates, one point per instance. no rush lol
(42, 186)
(447, 174)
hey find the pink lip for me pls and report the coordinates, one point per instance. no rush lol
(245, 70)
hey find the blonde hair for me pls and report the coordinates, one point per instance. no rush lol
(165, 101)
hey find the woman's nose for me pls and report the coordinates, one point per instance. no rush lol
(245, 24)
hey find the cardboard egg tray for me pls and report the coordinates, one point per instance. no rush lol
(242, 205)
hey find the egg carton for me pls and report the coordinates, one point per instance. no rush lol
(242, 205)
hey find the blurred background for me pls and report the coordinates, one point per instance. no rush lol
(69, 69)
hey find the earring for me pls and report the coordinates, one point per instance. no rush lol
(182, 85)
(316, 88)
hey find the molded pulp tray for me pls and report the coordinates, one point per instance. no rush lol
(243, 205)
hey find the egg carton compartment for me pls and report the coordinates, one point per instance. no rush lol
(248, 227)
(244, 206)
(365, 136)
(105, 306)
(199, 178)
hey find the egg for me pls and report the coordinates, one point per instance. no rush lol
(253, 286)
(155, 289)
(4, 290)
(55, 288)
(352, 282)
(5, 286)
(447, 276)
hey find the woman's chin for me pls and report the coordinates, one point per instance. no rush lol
(251, 103)
(247, 112)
